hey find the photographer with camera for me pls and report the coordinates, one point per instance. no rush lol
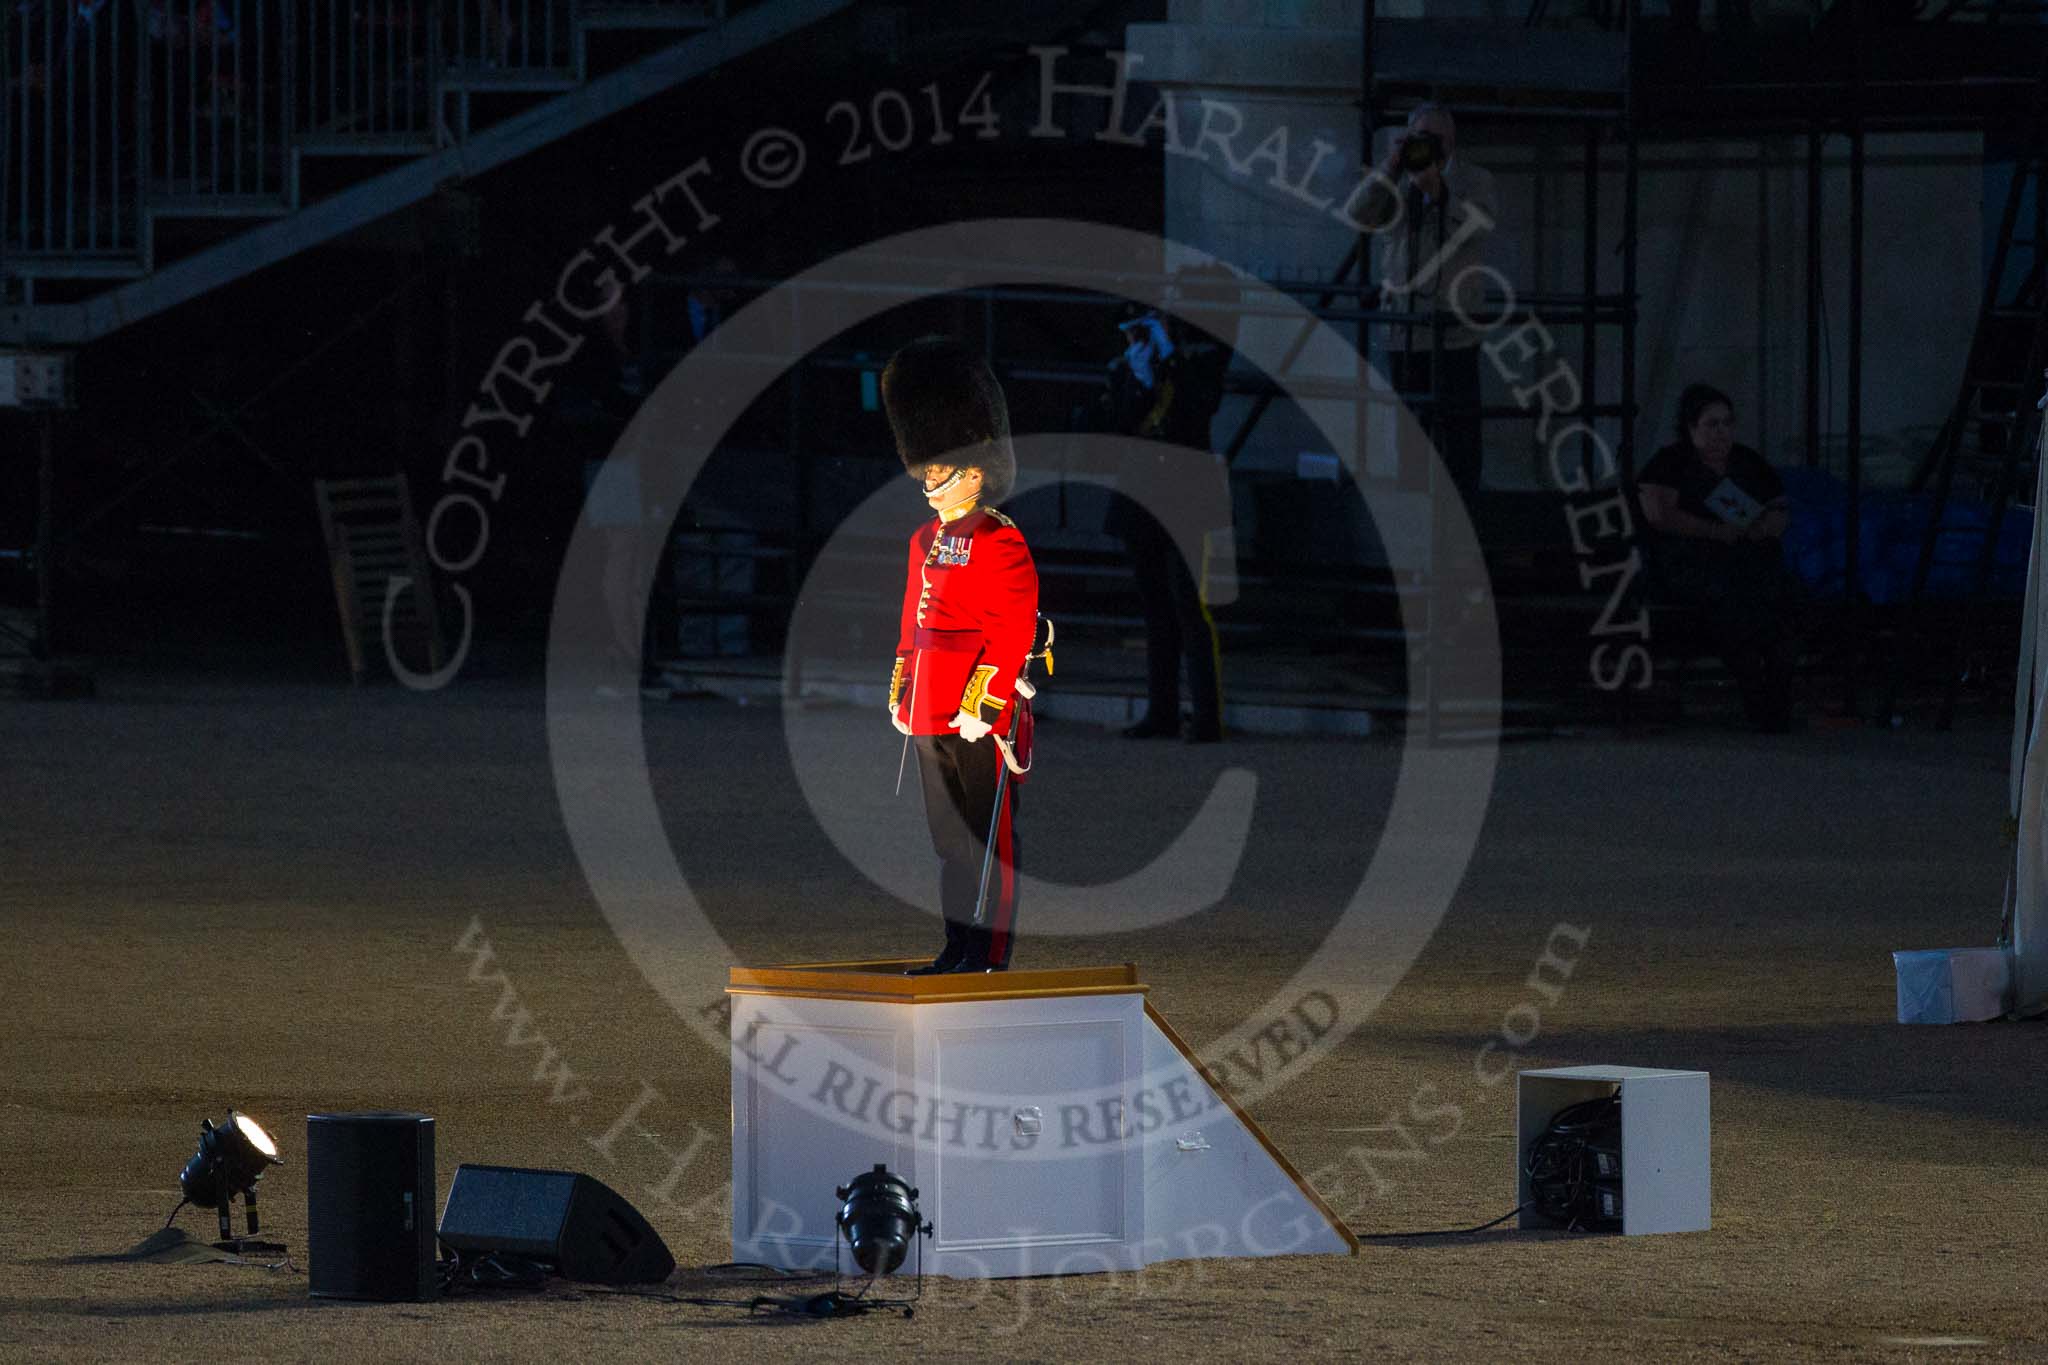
(1434, 212)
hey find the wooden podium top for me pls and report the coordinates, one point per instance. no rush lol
(883, 980)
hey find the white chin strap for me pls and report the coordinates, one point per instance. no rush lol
(932, 495)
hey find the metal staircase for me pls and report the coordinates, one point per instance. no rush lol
(1985, 451)
(1985, 443)
(121, 118)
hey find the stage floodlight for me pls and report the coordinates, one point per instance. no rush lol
(231, 1159)
(879, 1219)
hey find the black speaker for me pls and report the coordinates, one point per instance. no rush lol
(370, 1206)
(577, 1225)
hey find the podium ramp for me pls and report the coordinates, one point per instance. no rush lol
(1219, 1186)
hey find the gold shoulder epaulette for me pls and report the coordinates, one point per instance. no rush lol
(1001, 520)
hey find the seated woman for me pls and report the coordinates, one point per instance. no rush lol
(1718, 512)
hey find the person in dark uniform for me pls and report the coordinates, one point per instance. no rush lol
(1719, 514)
(1166, 386)
(970, 612)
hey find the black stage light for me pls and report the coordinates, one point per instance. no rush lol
(878, 1217)
(230, 1160)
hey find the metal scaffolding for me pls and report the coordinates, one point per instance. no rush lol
(1969, 66)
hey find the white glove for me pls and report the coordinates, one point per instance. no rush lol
(971, 728)
(1162, 344)
(1138, 355)
(902, 725)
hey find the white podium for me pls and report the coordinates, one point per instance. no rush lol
(1666, 1167)
(1051, 1121)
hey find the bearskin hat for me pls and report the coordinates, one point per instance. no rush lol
(945, 407)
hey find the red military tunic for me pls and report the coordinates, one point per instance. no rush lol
(970, 608)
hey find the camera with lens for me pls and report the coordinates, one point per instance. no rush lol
(1421, 151)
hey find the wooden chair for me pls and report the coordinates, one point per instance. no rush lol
(373, 538)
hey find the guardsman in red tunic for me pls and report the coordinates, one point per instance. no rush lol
(970, 610)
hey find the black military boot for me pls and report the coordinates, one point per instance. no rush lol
(947, 961)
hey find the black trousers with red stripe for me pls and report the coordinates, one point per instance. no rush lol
(959, 780)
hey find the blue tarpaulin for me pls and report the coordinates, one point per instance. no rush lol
(1891, 526)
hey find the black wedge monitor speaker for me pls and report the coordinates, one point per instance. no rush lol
(370, 1206)
(569, 1222)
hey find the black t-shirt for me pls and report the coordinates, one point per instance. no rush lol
(1677, 467)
